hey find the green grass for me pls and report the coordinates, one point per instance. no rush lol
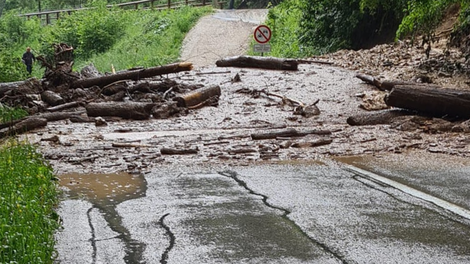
(8, 114)
(27, 200)
(151, 38)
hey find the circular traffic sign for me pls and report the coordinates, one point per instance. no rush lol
(262, 34)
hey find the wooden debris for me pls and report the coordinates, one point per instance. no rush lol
(198, 97)
(311, 144)
(315, 62)
(437, 102)
(290, 132)
(171, 151)
(102, 81)
(370, 80)
(63, 106)
(52, 98)
(385, 85)
(259, 62)
(242, 151)
(127, 110)
(25, 125)
(129, 145)
(376, 118)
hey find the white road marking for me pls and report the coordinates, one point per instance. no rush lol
(411, 191)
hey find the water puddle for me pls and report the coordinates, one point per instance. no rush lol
(104, 188)
(105, 192)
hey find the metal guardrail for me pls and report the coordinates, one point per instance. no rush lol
(145, 4)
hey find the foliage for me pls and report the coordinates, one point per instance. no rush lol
(27, 200)
(8, 114)
(90, 31)
(422, 17)
(329, 25)
(284, 20)
(150, 38)
(11, 69)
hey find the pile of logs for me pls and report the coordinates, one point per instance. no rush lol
(80, 97)
(412, 98)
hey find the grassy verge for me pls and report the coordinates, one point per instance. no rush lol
(27, 199)
(151, 38)
(8, 114)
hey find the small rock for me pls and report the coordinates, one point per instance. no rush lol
(99, 121)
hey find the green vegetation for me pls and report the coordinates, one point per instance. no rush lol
(102, 36)
(325, 26)
(8, 114)
(27, 200)
(284, 21)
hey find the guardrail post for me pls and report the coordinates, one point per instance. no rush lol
(47, 19)
(169, 4)
(203, 2)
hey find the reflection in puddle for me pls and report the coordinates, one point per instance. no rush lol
(105, 192)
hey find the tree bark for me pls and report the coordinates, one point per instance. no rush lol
(259, 62)
(289, 132)
(133, 75)
(25, 125)
(375, 118)
(433, 101)
(170, 151)
(127, 110)
(198, 96)
(63, 106)
(51, 98)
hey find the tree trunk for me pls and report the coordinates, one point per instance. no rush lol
(127, 110)
(289, 132)
(52, 98)
(375, 118)
(437, 102)
(25, 125)
(133, 75)
(259, 62)
(198, 96)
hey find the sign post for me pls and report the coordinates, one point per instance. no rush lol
(262, 35)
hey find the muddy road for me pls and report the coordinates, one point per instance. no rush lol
(236, 199)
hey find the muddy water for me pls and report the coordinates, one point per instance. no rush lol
(105, 192)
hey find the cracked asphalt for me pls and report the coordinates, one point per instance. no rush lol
(224, 206)
(315, 212)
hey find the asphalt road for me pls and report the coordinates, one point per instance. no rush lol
(280, 213)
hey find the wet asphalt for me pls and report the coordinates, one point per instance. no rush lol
(310, 211)
(315, 212)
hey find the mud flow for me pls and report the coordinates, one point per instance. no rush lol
(103, 188)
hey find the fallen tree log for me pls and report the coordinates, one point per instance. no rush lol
(259, 62)
(55, 116)
(289, 132)
(132, 75)
(25, 125)
(198, 96)
(433, 101)
(385, 85)
(376, 118)
(171, 151)
(63, 106)
(29, 86)
(126, 110)
(312, 144)
(52, 98)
